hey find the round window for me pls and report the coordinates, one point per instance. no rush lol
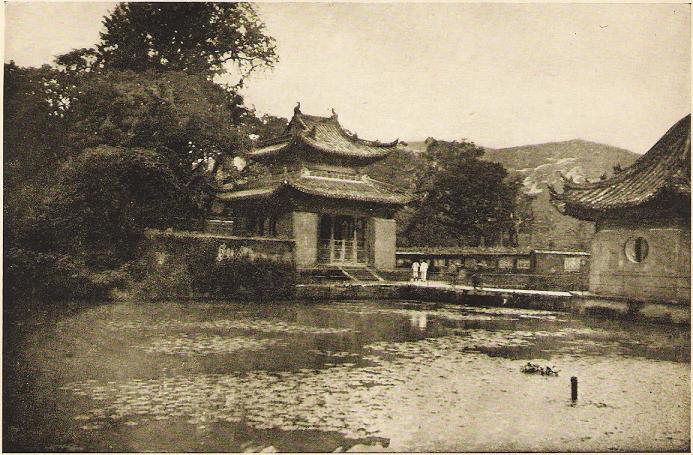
(637, 249)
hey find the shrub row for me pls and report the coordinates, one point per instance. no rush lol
(52, 276)
(189, 267)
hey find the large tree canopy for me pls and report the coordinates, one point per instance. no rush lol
(104, 199)
(118, 137)
(183, 117)
(461, 199)
(192, 37)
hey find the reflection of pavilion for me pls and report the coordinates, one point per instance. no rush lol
(317, 196)
(419, 320)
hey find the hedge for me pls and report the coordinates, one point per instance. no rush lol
(191, 266)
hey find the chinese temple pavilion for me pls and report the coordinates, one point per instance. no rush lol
(317, 195)
(641, 248)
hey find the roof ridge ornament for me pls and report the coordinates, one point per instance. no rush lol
(334, 114)
(297, 109)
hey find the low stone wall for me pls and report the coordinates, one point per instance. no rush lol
(180, 264)
(255, 247)
(541, 282)
(587, 305)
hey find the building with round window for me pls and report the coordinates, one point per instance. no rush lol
(641, 248)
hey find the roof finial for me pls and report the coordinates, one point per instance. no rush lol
(297, 109)
(334, 114)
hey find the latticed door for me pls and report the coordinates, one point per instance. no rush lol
(342, 240)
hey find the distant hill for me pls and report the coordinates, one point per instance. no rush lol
(540, 165)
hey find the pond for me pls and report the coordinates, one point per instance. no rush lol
(340, 376)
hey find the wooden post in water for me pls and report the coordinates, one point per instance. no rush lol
(574, 388)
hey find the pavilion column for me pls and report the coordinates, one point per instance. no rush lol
(382, 234)
(305, 229)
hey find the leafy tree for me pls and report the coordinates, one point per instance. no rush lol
(33, 124)
(77, 240)
(105, 198)
(461, 198)
(192, 37)
(522, 217)
(183, 117)
(116, 138)
(267, 127)
(77, 61)
(34, 134)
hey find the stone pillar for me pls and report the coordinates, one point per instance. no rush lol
(382, 239)
(305, 233)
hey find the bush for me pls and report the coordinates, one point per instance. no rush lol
(53, 276)
(244, 276)
(182, 266)
(171, 280)
(258, 278)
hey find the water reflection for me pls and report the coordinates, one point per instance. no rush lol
(419, 320)
(405, 376)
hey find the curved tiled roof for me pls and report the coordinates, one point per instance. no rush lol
(664, 168)
(324, 136)
(362, 189)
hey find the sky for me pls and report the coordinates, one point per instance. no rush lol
(498, 74)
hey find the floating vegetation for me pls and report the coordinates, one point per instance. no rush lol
(334, 354)
(534, 368)
(256, 325)
(449, 312)
(343, 398)
(185, 344)
(431, 388)
(456, 314)
(338, 400)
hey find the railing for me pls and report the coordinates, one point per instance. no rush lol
(342, 251)
(333, 175)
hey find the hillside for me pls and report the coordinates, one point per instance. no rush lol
(540, 165)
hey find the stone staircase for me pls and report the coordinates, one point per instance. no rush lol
(362, 274)
(320, 275)
(336, 274)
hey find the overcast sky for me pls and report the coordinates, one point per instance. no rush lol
(497, 74)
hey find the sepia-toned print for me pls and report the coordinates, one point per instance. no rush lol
(346, 227)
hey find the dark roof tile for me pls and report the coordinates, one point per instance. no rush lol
(323, 135)
(359, 188)
(665, 167)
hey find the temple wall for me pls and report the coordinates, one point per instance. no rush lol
(285, 227)
(305, 234)
(382, 234)
(663, 275)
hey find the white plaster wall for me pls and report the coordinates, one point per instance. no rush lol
(663, 275)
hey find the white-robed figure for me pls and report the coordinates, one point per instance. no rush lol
(415, 271)
(423, 270)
